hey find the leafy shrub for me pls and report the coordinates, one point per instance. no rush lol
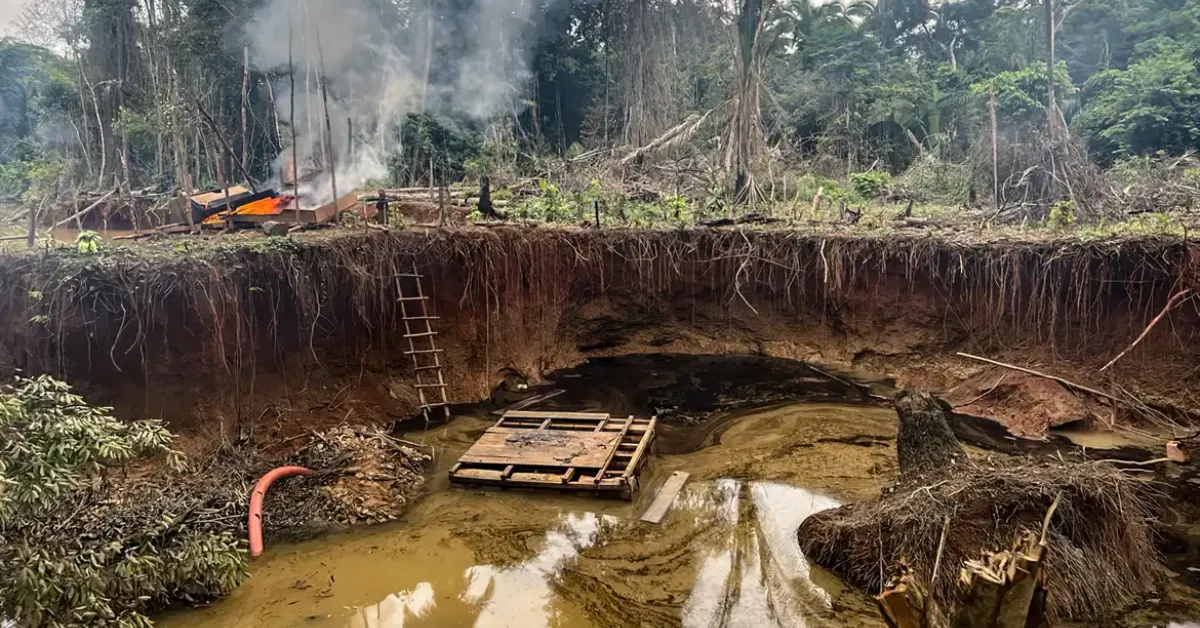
(870, 185)
(67, 556)
(551, 205)
(1062, 215)
(808, 185)
(1150, 107)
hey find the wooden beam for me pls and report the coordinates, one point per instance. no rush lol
(666, 496)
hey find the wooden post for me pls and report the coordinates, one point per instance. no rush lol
(222, 180)
(324, 84)
(32, 227)
(292, 124)
(224, 144)
(245, 103)
(995, 148)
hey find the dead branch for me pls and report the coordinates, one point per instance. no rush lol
(1172, 303)
(1067, 383)
(84, 210)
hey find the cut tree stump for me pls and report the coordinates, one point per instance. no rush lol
(925, 444)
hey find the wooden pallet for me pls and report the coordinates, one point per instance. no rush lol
(422, 345)
(573, 451)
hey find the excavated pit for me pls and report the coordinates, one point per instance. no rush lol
(720, 333)
(237, 334)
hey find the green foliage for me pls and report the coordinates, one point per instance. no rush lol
(870, 185)
(53, 441)
(808, 185)
(88, 242)
(1152, 107)
(53, 446)
(551, 205)
(1021, 94)
(1062, 215)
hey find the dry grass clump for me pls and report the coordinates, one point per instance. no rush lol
(1102, 554)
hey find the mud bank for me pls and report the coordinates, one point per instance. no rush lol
(237, 333)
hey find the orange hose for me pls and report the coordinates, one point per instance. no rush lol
(256, 503)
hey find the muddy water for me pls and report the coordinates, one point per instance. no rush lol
(725, 556)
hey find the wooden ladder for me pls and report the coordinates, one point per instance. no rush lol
(422, 345)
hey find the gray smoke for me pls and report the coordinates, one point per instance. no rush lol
(375, 67)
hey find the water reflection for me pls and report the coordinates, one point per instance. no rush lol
(521, 595)
(749, 569)
(396, 608)
(754, 574)
(518, 595)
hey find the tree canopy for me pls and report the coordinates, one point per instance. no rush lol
(450, 88)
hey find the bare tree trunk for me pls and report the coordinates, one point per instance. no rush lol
(274, 111)
(100, 128)
(1051, 103)
(245, 102)
(86, 136)
(337, 216)
(179, 141)
(121, 69)
(292, 123)
(995, 148)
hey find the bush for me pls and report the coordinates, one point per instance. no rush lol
(74, 550)
(870, 185)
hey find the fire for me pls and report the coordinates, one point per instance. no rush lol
(263, 207)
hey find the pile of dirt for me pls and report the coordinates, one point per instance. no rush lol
(1102, 552)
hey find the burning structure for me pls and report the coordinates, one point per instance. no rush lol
(242, 208)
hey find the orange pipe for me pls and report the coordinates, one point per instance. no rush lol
(256, 503)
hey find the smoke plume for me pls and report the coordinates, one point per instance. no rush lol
(458, 60)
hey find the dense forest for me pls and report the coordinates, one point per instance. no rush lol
(962, 101)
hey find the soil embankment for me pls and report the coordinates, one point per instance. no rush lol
(244, 335)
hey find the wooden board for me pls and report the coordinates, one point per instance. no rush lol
(542, 448)
(666, 496)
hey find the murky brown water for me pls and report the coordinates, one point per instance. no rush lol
(725, 556)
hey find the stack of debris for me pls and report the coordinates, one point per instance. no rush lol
(367, 475)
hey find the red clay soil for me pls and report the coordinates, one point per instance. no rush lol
(323, 340)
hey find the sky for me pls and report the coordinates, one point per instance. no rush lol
(9, 10)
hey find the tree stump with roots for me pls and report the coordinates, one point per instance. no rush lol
(925, 444)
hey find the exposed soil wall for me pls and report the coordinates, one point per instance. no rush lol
(203, 334)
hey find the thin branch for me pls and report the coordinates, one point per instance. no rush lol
(1174, 302)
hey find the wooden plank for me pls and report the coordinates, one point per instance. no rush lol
(491, 477)
(531, 447)
(666, 496)
(641, 448)
(613, 452)
(556, 415)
